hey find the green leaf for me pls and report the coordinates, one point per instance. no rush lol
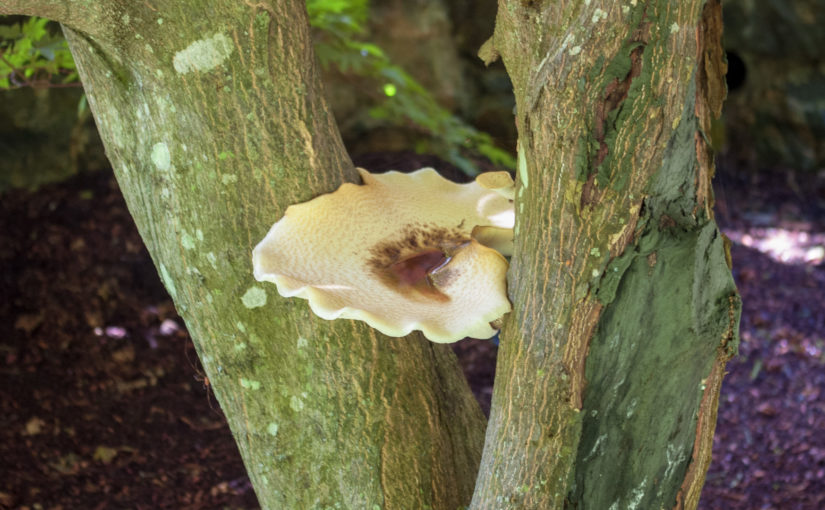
(71, 78)
(32, 51)
(371, 49)
(82, 106)
(35, 28)
(10, 31)
(23, 46)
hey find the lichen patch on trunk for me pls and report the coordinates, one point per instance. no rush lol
(203, 55)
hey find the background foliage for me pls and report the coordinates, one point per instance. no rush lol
(33, 55)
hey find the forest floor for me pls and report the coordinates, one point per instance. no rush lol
(103, 403)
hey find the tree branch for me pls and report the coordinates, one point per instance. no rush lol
(79, 15)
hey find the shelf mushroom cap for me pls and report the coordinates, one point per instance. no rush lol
(397, 252)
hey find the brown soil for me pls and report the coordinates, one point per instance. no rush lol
(103, 404)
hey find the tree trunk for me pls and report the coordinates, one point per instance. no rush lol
(214, 122)
(625, 311)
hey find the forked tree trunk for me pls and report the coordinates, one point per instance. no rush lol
(624, 309)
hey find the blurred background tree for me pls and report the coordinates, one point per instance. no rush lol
(400, 99)
(775, 111)
(46, 130)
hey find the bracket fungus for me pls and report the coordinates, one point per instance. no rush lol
(401, 252)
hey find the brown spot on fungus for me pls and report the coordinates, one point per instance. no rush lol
(409, 265)
(415, 268)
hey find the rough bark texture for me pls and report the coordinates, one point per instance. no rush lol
(214, 121)
(625, 311)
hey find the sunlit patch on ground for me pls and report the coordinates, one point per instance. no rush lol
(788, 246)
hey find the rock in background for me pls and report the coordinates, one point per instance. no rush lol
(44, 138)
(775, 111)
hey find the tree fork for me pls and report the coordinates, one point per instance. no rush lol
(624, 309)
